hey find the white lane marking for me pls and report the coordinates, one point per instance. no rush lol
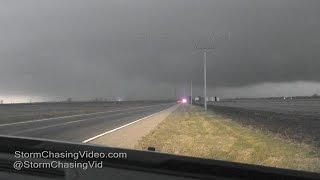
(69, 122)
(102, 134)
(78, 115)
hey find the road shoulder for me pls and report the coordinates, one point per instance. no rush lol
(128, 137)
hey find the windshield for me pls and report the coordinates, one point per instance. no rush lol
(231, 80)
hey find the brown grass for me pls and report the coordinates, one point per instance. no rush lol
(192, 132)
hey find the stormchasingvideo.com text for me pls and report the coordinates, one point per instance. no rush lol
(26, 160)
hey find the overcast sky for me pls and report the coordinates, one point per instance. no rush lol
(54, 49)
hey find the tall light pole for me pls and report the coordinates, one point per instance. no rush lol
(205, 49)
(191, 92)
(205, 78)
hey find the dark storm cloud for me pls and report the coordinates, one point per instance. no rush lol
(145, 48)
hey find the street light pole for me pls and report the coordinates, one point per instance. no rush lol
(205, 78)
(191, 93)
(205, 50)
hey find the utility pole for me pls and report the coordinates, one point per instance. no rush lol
(205, 78)
(191, 92)
(205, 49)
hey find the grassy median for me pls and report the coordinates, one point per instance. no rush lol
(192, 132)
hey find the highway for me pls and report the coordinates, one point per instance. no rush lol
(80, 127)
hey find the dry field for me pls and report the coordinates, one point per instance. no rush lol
(192, 132)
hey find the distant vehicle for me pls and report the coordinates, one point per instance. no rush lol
(183, 100)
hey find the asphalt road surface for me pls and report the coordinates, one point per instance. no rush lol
(79, 127)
